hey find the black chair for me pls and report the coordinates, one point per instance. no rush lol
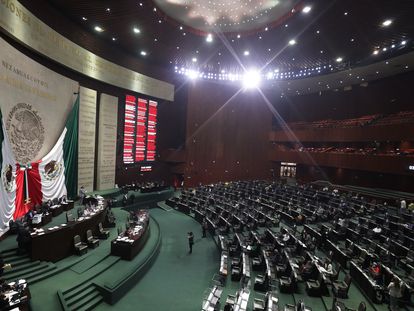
(103, 234)
(69, 217)
(260, 282)
(340, 289)
(80, 247)
(287, 284)
(314, 287)
(92, 242)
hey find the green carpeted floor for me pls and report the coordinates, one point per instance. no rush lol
(177, 280)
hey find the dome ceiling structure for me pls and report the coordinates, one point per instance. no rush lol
(220, 39)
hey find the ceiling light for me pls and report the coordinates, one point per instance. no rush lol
(306, 9)
(155, 10)
(292, 42)
(346, 13)
(266, 29)
(238, 36)
(384, 49)
(209, 38)
(181, 27)
(194, 60)
(375, 52)
(136, 30)
(98, 29)
(84, 18)
(269, 75)
(403, 42)
(246, 53)
(251, 79)
(108, 9)
(286, 25)
(386, 23)
(140, 4)
(393, 46)
(143, 53)
(339, 59)
(317, 31)
(113, 39)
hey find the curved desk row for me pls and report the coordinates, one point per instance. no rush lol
(57, 243)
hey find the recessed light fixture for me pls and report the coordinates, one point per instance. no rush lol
(181, 27)
(393, 46)
(209, 38)
(403, 42)
(143, 53)
(292, 42)
(384, 49)
(108, 10)
(352, 39)
(375, 52)
(155, 10)
(98, 29)
(346, 13)
(339, 59)
(246, 53)
(140, 4)
(84, 18)
(318, 32)
(306, 9)
(113, 39)
(238, 36)
(266, 29)
(136, 30)
(387, 22)
(286, 25)
(194, 60)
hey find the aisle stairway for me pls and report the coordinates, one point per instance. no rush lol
(24, 268)
(81, 298)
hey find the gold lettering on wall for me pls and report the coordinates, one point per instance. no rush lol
(21, 24)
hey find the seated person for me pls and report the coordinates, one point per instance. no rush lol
(306, 270)
(4, 301)
(377, 230)
(327, 268)
(376, 272)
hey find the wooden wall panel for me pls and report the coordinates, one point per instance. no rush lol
(227, 134)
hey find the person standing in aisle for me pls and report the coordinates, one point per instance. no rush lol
(190, 237)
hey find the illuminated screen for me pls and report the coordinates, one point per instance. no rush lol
(140, 130)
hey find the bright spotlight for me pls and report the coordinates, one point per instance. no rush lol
(209, 38)
(192, 74)
(306, 9)
(292, 42)
(251, 79)
(387, 22)
(339, 59)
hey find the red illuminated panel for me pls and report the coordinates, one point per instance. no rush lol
(129, 129)
(152, 130)
(141, 130)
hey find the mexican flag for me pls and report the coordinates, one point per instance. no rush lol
(8, 179)
(51, 177)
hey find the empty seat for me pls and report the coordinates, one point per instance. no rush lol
(314, 287)
(69, 217)
(340, 289)
(258, 304)
(80, 247)
(92, 242)
(260, 283)
(103, 234)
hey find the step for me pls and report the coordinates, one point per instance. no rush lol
(40, 275)
(30, 273)
(92, 304)
(73, 291)
(18, 266)
(85, 300)
(22, 268)
(18, 261)
(81, 295)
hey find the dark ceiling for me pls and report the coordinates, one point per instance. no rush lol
(347, 29)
